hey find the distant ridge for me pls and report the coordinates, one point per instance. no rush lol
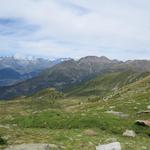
(73, 72)
(15, 69)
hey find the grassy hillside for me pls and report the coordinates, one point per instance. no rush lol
(49, 93)
(77, 123)
(106, 84)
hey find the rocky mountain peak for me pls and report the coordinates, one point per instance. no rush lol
(94, 59)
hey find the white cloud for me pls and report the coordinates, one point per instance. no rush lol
(75, 28)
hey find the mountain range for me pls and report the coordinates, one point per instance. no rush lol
(14, 70)
(65, 75)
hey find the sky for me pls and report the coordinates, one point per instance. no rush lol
(118, 29)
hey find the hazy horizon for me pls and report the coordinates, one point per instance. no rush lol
(30, 57)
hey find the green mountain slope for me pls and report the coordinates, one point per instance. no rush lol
(134, 97)
(104, 85)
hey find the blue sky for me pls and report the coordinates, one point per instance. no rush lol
(75, 28)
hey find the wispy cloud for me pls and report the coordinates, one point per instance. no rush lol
(74, 8)
(16, 27)
(75, 28)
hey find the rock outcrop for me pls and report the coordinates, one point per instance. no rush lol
(129, 133)
(33, 147)
(90, 132)
(118, 114)
(111, 146)
(143, 122)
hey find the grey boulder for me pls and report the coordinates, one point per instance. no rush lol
(110, 146)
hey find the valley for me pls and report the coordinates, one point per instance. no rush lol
(15, 70)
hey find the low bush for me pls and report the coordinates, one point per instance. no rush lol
(3, 141)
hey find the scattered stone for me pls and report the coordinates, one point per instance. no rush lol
(14, 125)
(129, 133)
(144, 112)
(119, 114)
(144, 147)
(90, 132)
(143, 122)
(111, 146)
(5, 126)
(148, 107)
(112, 107)
(6, 137)
(9, 117)
(33, 147)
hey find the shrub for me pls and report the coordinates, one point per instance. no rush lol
(2, 141)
